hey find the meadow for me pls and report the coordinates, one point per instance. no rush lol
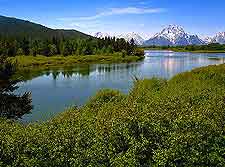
(176, 122)
(30, 62)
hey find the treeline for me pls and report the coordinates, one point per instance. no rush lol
(209, 47)
(11, 47)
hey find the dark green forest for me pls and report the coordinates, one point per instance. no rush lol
(11, 47)
(19, 37)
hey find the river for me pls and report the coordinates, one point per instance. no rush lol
(55, 90)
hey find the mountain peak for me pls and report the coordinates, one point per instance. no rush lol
(218, 38)
(220, 34)
(174, 35)
(172, 32)
(133, 35)
(174, 28)
(101, 35)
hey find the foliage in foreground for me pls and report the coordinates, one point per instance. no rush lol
(179, 122)
(11, 106)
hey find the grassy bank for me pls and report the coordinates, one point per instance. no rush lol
(179, 122)
(198, 51)
(182, 49)
(60, 61)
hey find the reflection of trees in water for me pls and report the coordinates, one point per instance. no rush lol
(12, 106)
(28, 74)
(55, 74)
(70, 72)
(65, 72)
(81, 70)
(117, 67)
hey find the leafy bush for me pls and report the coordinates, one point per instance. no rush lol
(179, 122)
(139, 52)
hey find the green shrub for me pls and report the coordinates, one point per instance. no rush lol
(179, 122)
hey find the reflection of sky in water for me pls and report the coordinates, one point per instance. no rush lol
(55, 90)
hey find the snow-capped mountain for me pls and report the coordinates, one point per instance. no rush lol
(101, 35)
(218, 38)
(138, 40)
(208, 40)
(174, 35)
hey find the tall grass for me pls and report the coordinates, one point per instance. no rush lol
(179, 122)
(43, 61)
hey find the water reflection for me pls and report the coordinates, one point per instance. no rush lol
(81, 71)
(54, 90)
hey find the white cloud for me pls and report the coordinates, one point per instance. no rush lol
(144, 2)
(118, 11)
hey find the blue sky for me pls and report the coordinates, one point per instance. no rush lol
(203, 17)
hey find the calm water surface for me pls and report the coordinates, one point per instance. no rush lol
(53, 91)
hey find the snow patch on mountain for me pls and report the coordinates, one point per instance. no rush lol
(101, 35)
(218, 38)
(172, 32)
(208, 40)
(174, 35)
(138, 40)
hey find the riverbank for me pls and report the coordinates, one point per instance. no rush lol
(43, 62)
(183, 50)
(198, 51)
(177, 122)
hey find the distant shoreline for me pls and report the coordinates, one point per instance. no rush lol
(196, 51)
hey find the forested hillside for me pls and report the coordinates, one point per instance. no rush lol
(16, 28)
(19, 38)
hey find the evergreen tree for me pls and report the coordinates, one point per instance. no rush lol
(11, 106)
(25, 46)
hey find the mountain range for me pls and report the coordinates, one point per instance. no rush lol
(137, 38)
(172, 35)
(218, 38)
